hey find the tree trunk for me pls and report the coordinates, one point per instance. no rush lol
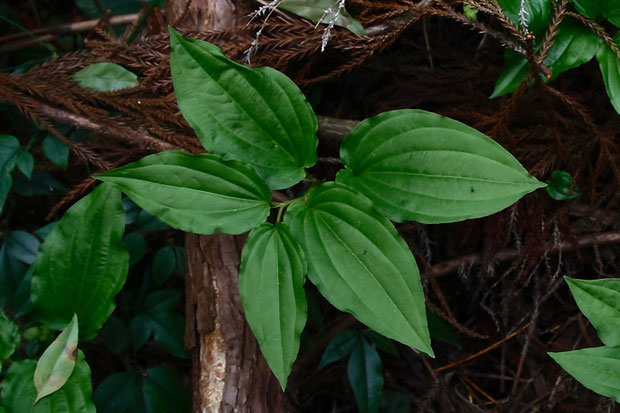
(229, 373)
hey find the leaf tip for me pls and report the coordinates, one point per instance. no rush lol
(175, 37)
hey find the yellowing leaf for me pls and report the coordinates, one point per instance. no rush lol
(57, 362)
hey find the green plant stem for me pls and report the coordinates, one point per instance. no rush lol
(281, 207)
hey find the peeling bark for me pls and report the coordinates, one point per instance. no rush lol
(196, 15)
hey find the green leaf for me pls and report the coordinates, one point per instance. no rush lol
(19, 393)
(610, 68)
(592, 9)
(255, 115)
(365, 376)
(22, 304)
(141, 330)
(132, 210)
(561, 186)
(136, 245)
(157, 390)
(163, 390)
(470, 12)
(41, 183)
(25, 162)
(537, 14)
(179, 252)
(169, 332)
(162, 300)
(596, 368)
(393, 402)
(271, 286)
(56, 151)
(118, 392)
(105, 77)
(45, 230)
(515, 72)
(599, 301)
(150, 223)
(612, 12)
(360, 263)
(115, 333)
(339, 347)
(22, 245)
(116, 7)
(315, 10)
(163, 265)
(168, 328)
(57, 362)
(9, 337)
(573, 45)
(381, 342)
(9, 147)
(82, 264)
(417, 165)
(11, 274)
(200, 194)
(5, 186)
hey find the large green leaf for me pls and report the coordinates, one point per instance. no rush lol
(271, 285)
(365, 376)
(599, 301)
(82, 264)
(573, 45)
(596, 368)
(255, 115)
(592, 9)
(201, 194)
(105, 77)
(417, 165)
(57, 361)
(315, 10)
(156, 390)
(9, 337)
(612, 12)
(610, 68)
(537, 14)
(360, 263)
(19, 393)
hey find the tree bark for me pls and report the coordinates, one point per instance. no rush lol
(229, 373)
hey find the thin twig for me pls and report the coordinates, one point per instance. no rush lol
(46, 34)
(481, 352)
(448, 267)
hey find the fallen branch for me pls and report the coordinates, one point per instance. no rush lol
(123, 134)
